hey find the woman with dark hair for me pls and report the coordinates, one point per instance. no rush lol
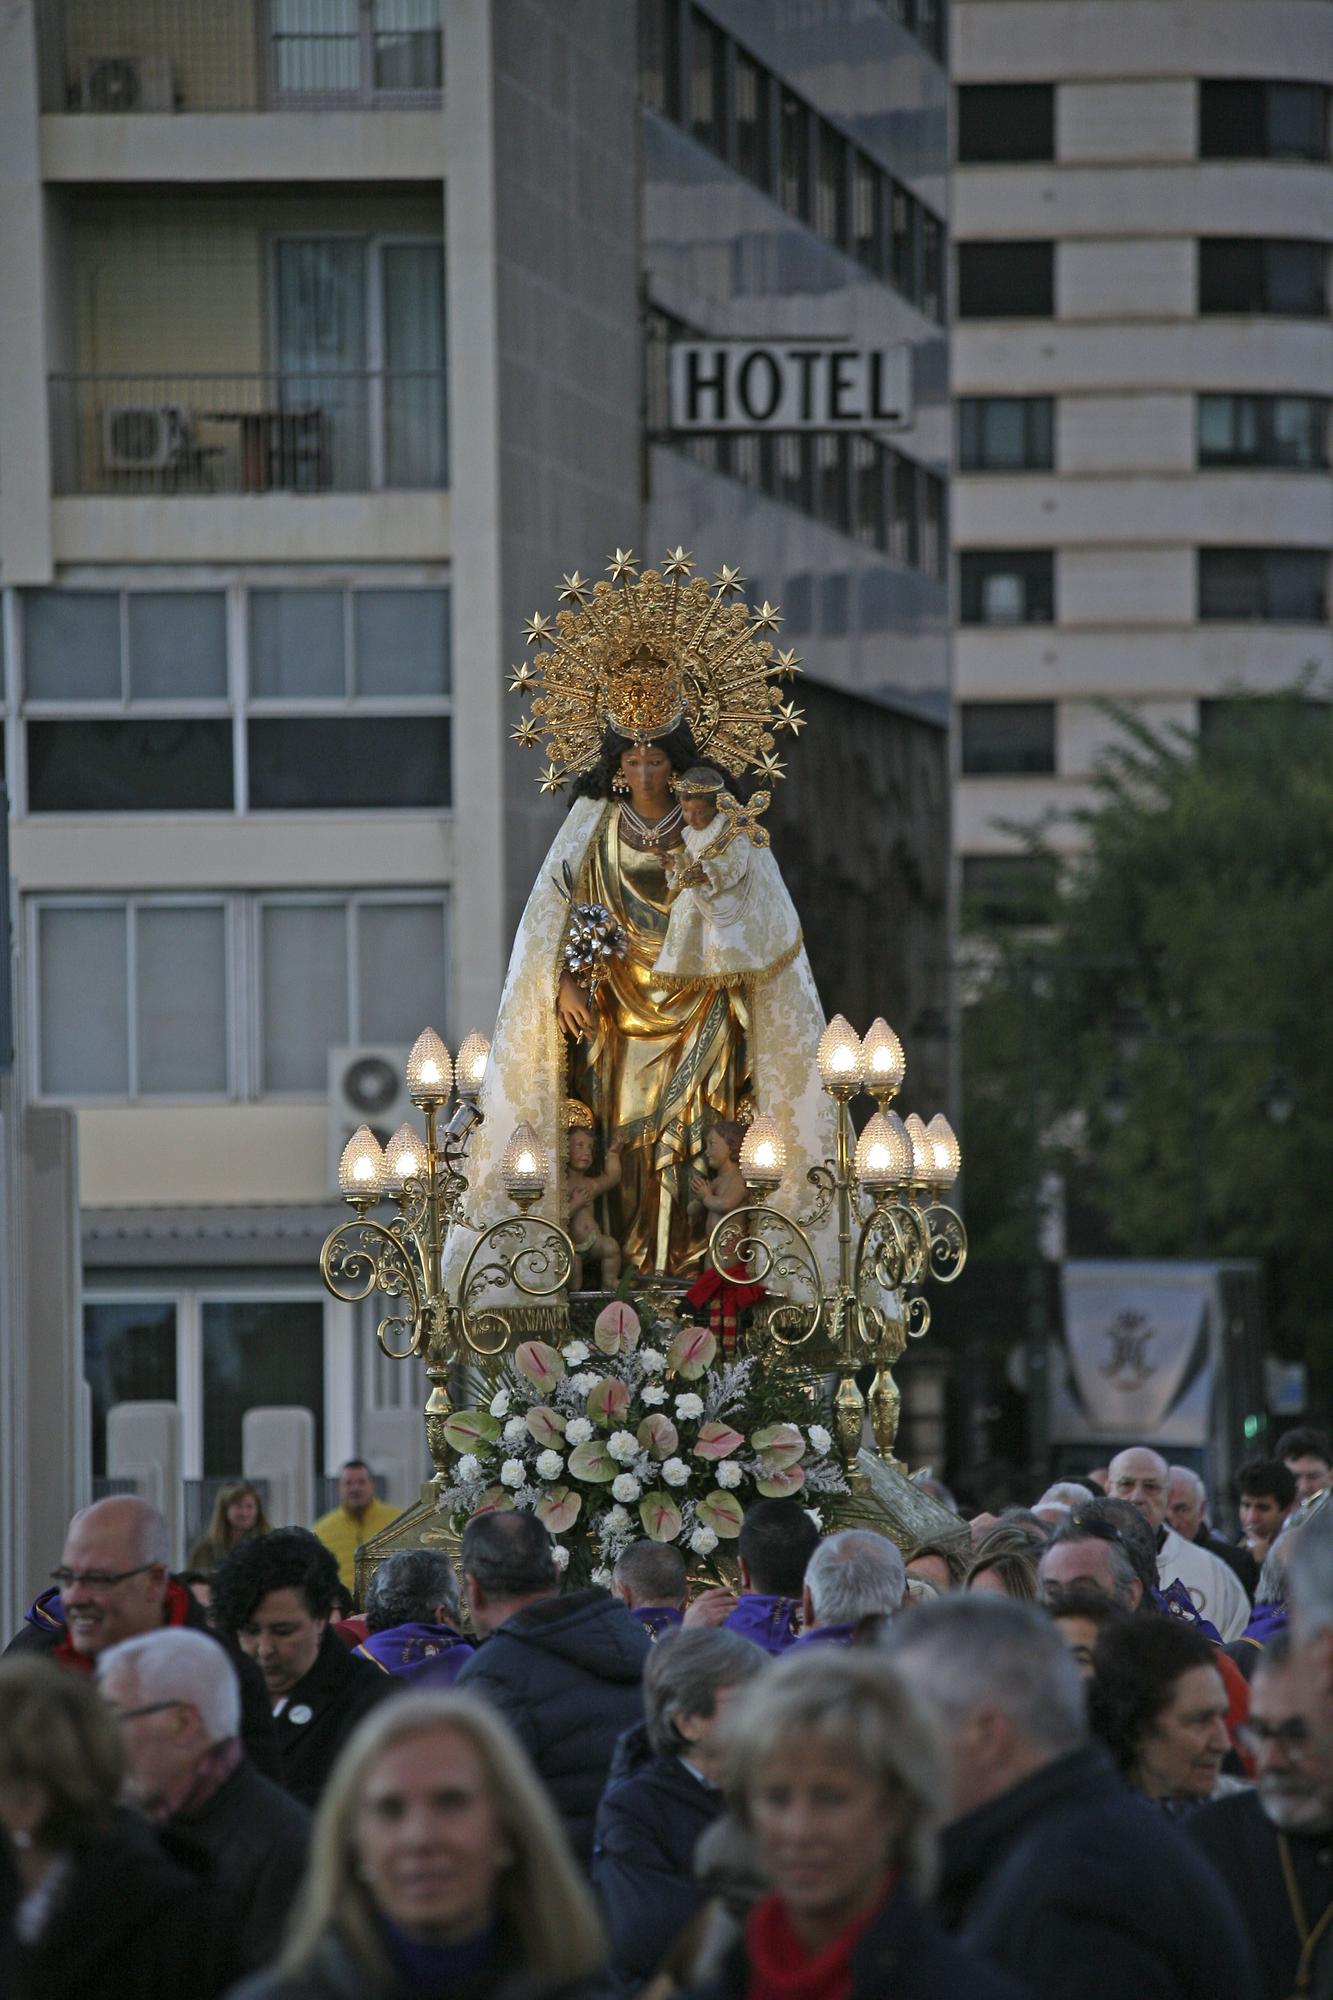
(1159, 1703)
(638, 686)
(276, 1598)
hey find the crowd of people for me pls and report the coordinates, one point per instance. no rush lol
(1074, 1749)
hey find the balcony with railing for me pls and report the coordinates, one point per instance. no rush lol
(353, 431)
(164, 56)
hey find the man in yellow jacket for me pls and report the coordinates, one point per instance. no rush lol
(358, 1515)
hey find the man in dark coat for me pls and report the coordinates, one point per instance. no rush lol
(1050, 1869)
(113, 1584)
(275, 1597)
(179, 1705)
(1273, 1846)
(412, 1617)
(662, 1794)
(565, 1672)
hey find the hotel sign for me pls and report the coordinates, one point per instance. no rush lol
(788, 385)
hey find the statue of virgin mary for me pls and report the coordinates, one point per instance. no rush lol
(633, 683)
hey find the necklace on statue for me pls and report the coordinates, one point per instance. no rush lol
(651, 833)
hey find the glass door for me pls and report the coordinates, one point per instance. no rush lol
(411, 340)
(320, 435)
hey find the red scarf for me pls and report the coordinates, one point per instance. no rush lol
(175, 1611)
(780, 1968)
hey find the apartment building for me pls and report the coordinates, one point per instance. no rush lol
(1142, 367)
(333, 332)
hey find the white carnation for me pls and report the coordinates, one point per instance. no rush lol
(578, 1430)
(703, 1541)
(651, 1362)
(560, 1556)
(689, 1405)
(575, 1352)
(652, 1394)
(815, 1516)
(468, 1469)
(516, 1430)
(550, 1465)
(500, 1403)
(602, 1577)
(623, 1447)
(512, 1473)
(729, 1473)
(819, 1437)
(585, 1384)
(625, 1487)
(616, 1520)
(676, 1472)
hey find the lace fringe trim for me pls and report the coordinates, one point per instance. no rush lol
(670, 983)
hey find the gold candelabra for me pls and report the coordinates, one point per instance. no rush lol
(404, 1258)
(894, 1233)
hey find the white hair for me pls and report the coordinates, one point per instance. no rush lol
(1192, 1478)
(175, 1664)
(1066, 1493)
(854, 1575)
(971, 1650)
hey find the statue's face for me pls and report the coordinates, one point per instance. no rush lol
(580, 1149)
(716, 1150)
(699, 811)
(647, 771)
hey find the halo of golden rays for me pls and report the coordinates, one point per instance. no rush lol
(643, 653)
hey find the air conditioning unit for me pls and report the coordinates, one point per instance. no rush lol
(127, 83)
(143, 437)
(366, 1087)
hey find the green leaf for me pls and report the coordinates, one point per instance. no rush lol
(722, 1512)
(660, 1516)
(592, 1462)
(560, 1509)
(470, 1430)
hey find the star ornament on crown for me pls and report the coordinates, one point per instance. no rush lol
(642, 654)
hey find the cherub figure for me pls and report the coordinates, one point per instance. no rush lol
(726, 1190)
(731, 921)
(725, 1296)
(582, 1189)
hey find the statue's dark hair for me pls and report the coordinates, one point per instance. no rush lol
(596, 783)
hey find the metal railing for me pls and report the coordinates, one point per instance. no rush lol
(238, 55)
(288, 432)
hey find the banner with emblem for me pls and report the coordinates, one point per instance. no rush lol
(1138, 1354)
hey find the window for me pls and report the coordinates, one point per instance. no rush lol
(1006, 121)
(1002, 889)
(1007, 737)
(129, 705)
(708, 83)
(1284, 586)
(353, 50)
(1006, 433)
(869, 187)
(831, 187)
(905, 527)
(931, 296)
(1263, 430)
(754, 145)
(258, 1353)
(1006, 586)
(132, 999)
(659, 55)
(1262, 121)
(150, 998)
(905, 231)
(1006, 280)
(794, 155)
(1243, 274)
(129, 1356)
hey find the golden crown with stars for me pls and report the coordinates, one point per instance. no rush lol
(643, 654)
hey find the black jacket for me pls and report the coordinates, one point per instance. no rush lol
(321, 1712)
(130, 1922)
(902, 1956)
(44, 1631)
(255, 1837)
(651, 1815)
(1241, 1841)
(1071, 1883)
(334, 1974)
(565, 1673)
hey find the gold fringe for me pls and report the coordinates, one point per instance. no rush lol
(674, 983)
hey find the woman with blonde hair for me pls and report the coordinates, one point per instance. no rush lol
(238, 1516)
(1004, 1563)
(437, 1866)
(836, 1774)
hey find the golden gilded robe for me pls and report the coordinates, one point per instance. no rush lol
(669, 1057)
(758, 1029)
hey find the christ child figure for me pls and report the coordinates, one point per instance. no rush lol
(581, 1190)
(726, 1190)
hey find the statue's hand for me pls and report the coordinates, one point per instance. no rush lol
(572, 1009)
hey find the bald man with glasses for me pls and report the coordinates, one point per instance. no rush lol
(1141, 1476)
(114, 1583)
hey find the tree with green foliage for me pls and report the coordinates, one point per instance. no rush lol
(1178, 1007)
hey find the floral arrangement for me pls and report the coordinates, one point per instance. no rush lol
(592, 936)
(618, 1440)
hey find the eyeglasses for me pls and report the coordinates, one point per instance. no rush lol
(98, 1579)
(149, 1708)
(1291, 1737)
